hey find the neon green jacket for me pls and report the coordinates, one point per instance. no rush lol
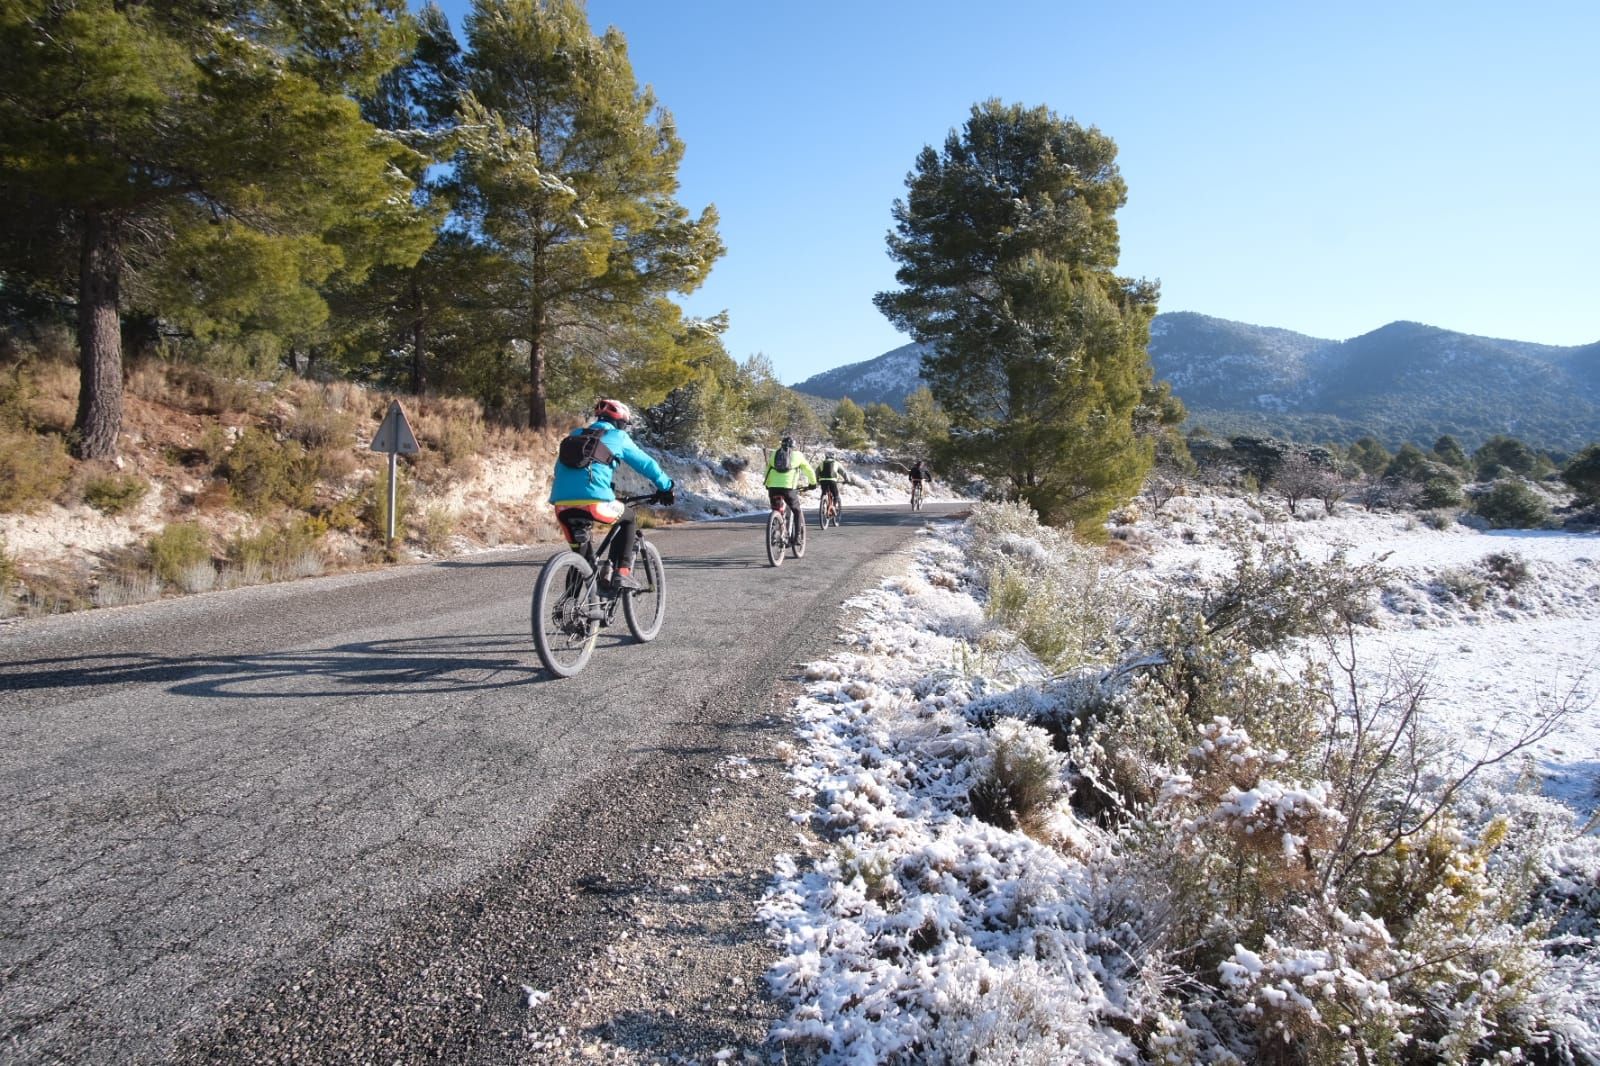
(785, 479)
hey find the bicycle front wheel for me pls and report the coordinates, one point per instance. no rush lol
(777, 543)
(643, 609)
(566, 614)
(797, 541)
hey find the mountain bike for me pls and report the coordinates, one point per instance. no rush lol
(916, 495)
(786, 532)
(572, 604)
(828, 511)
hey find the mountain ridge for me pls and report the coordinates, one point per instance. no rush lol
(1404, 381)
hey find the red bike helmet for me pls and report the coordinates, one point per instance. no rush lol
(614, 411)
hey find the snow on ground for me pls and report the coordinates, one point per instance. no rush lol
(916, 927)
(1444, 611)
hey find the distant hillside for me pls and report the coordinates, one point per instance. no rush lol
(1404, 381)
(886, 379)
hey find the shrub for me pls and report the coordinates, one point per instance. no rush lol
(178, 549)
(1437, 520)
(280, 553)
(1048, 590)
(375, 504)
(113, 494)
(319, 423)
(8, 579)
(438, 526)
(1439, 492)
(1512, 505)
(124, 589)
(1465, 586)
(1022, 779)
(33, 469)
(1506, 569)
(263, 472)
(1582, 474)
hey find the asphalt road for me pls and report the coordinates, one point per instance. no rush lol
(350, 818)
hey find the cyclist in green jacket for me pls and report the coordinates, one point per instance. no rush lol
(784, 469)
(829, 473)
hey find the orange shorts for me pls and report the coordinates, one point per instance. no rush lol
(585, 512)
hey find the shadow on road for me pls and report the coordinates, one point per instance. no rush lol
(366, 668)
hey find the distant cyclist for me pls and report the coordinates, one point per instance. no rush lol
(784, 470)
(829, 473)
(581, 491)
(920, 474)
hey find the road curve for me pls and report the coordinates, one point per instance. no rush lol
(245, 826)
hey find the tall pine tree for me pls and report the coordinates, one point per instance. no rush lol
(568, 172)
(212, 152)
(1007, 245)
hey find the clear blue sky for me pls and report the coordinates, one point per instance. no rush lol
(1321, 168)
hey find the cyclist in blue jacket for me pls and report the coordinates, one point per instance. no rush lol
(581, 490)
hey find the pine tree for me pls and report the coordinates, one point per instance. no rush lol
(1448, 451)
(569, 173)
(927, 428)
(210, 155)
(389, 325)
(848, 426)
(1007, 244)
(1370, 456)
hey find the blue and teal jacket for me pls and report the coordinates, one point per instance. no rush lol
(572, 485)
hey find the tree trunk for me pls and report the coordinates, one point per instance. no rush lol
(538, 415)
(99, 340)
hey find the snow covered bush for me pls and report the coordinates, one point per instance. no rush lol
(1022, 781)
(1051, 592)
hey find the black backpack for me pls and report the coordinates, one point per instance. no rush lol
(781, 460)
(578, 450)
(828, 470)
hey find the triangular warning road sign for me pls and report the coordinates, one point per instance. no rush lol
(395, 434)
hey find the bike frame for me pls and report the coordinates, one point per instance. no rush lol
(593, 553)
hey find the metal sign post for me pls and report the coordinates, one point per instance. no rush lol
(396, 438)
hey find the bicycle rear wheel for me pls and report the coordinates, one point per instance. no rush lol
(776, 541)
(566, 614)
(797, 539)
(643, 609)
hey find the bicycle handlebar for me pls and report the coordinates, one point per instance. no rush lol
(646, 498)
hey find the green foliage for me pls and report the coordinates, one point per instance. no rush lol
(1582, 474)
(1044, 587)
(178, 549)
(9, 576)
(1370, 456)
(16, 398)
(33, 469)
(848, 426)
(280, 552)
(568, 171)
(1511, 504)
(1022, 780)
(1500, 456)
(926, 427)
(884, 425)
(211, 154)
(263, 472)
(1448, 451)
(114, 493)
(375, 504)
(1007, 244)
(1440, 492)
(1411, 463)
